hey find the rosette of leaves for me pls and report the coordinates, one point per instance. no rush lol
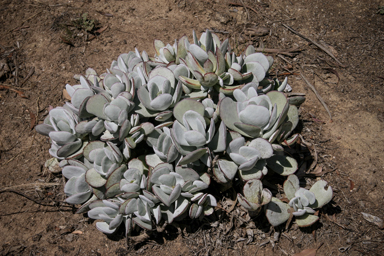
(168, 54)
(163, 146)
(205, 59)
(250, 157)
(268, 116)
(159, 95)
(175, 189)
(250, 66)
(190, 131)
(106, 168)
(254, 197)
(304, 202)
(133, 180)
(112, 116)
(115, 84)
(108, 212)
(60, 125)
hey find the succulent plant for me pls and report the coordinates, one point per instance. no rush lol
(251, 65)
(250, 158)
(304, 201)
(159, 94)
(164, 147)
(204, 114)
(59, 125)
(107, 211)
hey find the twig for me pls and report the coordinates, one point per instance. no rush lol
(288, 52)
(316, 93)
(246, 9)
(317, 44)
(338, 224)
(20, 93)
(10, 160)
(36, 184)
(284, 59)
(29, 198)
(28, 76)
(16, 69)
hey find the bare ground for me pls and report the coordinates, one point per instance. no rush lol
(36, 39)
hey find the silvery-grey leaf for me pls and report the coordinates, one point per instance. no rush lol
(111, 126)
(260, 58)
(104, 227)
(277, 212)
(195, 138)
(79, 198)
(228, 168)
(291, 185)
(94, 179)
(79, 95)
(70, 171)
(62, 137)
(95, 105)
(263, 146)
(69, 148)
(323, 196)
(44, 129)
(161, 102)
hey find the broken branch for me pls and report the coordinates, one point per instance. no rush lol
(317, 44)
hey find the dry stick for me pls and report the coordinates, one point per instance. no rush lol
(20, 93)
(288, 52)
(28, 76)
(313, 42)
(16, 69)
(246, 9)
(36, 184)
(29, 198)
(316, 93)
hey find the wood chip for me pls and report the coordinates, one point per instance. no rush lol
(101, 30)
(33, 119)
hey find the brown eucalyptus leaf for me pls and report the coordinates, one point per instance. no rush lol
(66, 95)
(373, 219)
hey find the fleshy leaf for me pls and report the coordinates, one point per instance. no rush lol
(94, 178)
(322, 195)
(291, 185)
(277, 212)
(185, 105)
(283, 165)
(193, 156)
(306, 220)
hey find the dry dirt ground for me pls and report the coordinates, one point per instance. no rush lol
(43, 49)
